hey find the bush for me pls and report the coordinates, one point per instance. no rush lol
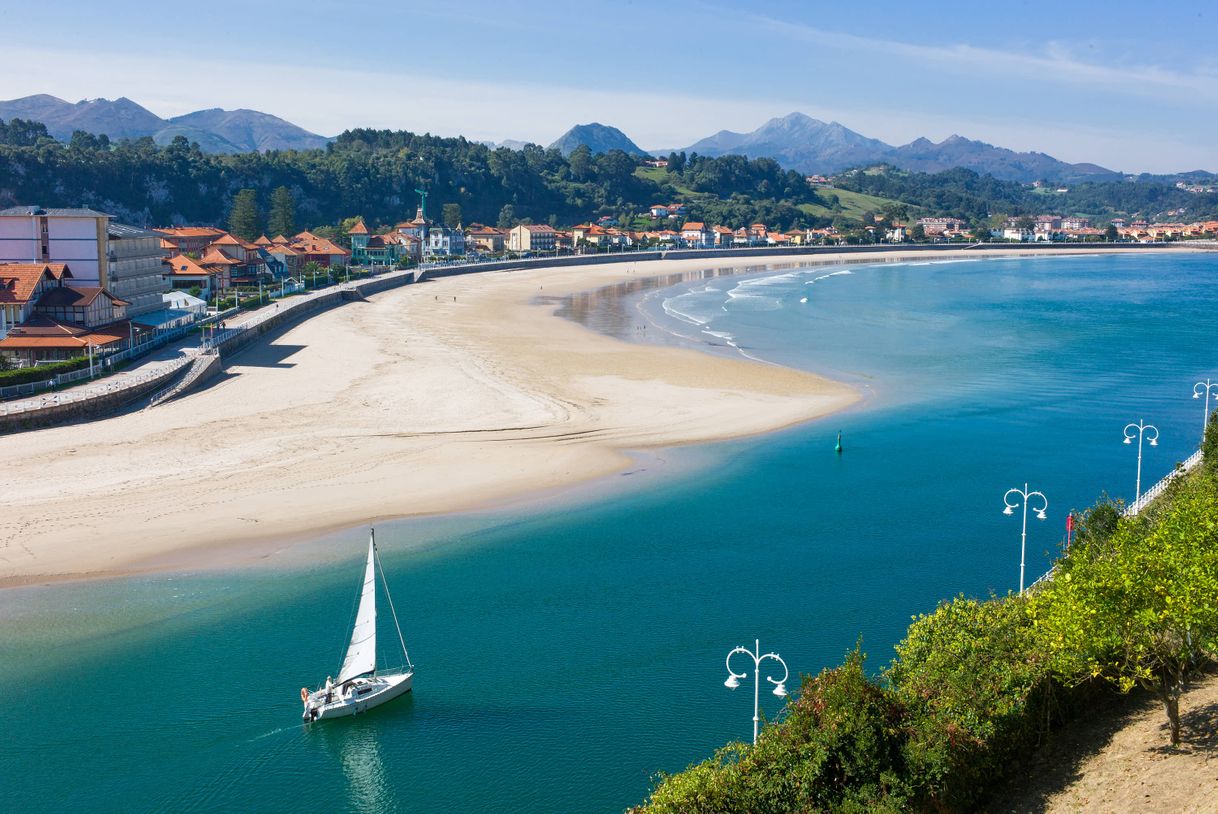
(837, 751)
(976, 689)
(1098, 524)
(39, 373)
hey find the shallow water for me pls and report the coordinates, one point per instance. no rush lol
(565, 654)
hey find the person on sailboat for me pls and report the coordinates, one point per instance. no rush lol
(329, 689)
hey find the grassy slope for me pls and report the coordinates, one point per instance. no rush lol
(854, 204)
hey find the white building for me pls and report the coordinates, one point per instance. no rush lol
(78, 237)
(445, 242)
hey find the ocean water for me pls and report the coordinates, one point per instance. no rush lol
(567, 651)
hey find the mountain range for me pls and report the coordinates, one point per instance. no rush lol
(795, 141)
(215, 130)
(800, 142)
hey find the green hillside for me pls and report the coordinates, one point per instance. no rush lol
(853, 204)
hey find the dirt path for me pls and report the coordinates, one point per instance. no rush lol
(1119, 760)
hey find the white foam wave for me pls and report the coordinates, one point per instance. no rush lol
(676, 313)
(827, 276)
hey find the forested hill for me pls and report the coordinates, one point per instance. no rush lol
(373, 174)
(965, 194)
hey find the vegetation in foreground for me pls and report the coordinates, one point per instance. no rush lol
(977, 684)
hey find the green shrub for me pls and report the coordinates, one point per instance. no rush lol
(39, 373)
(838, 750)
(1141, 610)
(975, 687)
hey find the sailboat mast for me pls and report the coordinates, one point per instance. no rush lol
(392, 612)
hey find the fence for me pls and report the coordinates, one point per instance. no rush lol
(100, 390)
(1153, 492)
(102, 364)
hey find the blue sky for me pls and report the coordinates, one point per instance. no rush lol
(1128, 85)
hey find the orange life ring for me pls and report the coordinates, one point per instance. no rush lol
(304, 694)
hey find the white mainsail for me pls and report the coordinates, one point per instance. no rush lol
(361, 653)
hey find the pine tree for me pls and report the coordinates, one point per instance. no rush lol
(282, 218)
(452, 215)
(243, 219)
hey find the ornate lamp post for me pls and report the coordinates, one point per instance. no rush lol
(1009, 509)
(1205, 387)
(733, 679)
(1139, 430)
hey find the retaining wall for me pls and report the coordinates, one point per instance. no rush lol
(62, 411)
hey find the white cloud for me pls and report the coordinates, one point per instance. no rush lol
(1056, 62)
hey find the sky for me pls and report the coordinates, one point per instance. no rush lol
(1127, 85)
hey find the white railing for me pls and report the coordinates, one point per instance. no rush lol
(1153, 492)
(99, 389)
(102, 365)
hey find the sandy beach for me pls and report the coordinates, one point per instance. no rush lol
(433, 398)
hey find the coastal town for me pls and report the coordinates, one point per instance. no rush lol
(74, 283)
(441, 409)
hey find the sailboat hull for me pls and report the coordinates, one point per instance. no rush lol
(356, 696)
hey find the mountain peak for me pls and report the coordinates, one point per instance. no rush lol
(597, 137)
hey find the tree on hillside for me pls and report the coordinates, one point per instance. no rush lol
(451, 215)
(507, 217)
(282, 217)
(1139, 608)
(580, 162)
(22, 133)
(243, 218)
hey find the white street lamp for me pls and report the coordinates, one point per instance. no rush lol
(1009, 509)
(1205, 387)
(733, 678)
(1142, 428)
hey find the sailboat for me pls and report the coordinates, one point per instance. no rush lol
(360, 686)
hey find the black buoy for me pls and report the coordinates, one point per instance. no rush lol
(838, 448)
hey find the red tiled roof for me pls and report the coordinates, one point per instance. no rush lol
(226, 240)
(181, 264)
(358, 229)
(45, 332)
(18, 280)
(190, 231)
(69, 296)
(215, 257)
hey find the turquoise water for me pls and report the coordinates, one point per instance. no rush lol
(567, 652)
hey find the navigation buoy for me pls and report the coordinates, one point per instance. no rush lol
(838, 448)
